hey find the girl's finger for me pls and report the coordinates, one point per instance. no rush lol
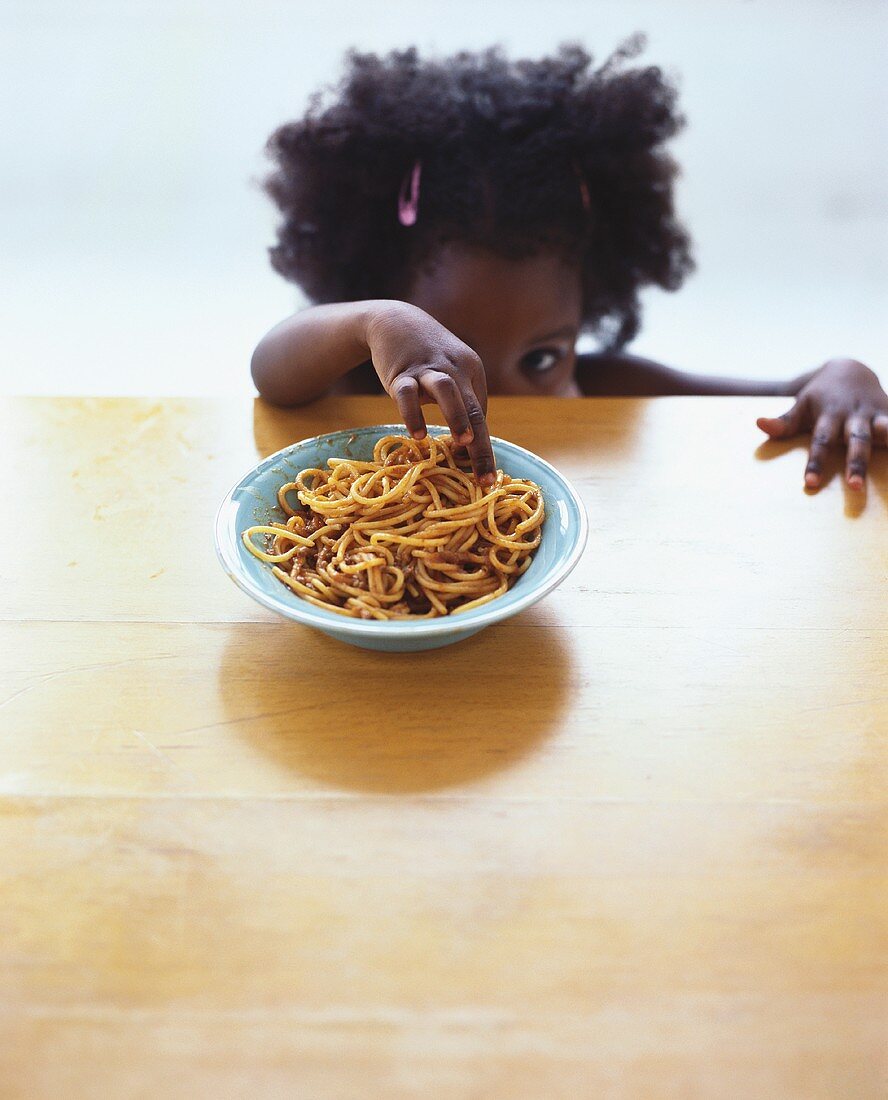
(480, 447)
(443, 390)
(405, 391)
(880, 429)
(788, 423)
(479, 385)
(859, 438)
(826, 432)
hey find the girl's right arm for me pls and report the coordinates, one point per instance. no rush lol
(301, 358)
(418, 361)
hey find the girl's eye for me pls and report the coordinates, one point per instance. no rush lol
(541, 360)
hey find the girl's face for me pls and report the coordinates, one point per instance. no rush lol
(521, 316)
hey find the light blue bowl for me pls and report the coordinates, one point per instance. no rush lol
(254, 500)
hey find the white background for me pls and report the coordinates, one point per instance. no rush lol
(133, 235)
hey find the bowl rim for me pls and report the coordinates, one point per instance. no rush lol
(227, 541)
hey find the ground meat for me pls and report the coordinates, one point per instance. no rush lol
(314, 523)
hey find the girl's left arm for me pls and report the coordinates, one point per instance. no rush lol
(840, 400)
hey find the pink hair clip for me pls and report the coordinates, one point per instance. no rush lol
(408, 200)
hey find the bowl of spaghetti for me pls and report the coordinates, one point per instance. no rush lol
(389, 543)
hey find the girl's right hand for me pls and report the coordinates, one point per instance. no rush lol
(420, 362)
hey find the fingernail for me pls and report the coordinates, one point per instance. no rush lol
(486, 479)
(420, 434)
(855, 482)
(811, 481)
(466, 437)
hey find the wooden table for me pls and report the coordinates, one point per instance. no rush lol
(631, 843)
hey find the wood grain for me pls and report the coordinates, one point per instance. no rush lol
(631, 843)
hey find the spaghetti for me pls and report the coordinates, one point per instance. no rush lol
(408, 535)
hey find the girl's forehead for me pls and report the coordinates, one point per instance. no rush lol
(470, 287)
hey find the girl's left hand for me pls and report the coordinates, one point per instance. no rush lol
(844, 399)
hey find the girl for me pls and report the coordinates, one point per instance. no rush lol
(467, 219)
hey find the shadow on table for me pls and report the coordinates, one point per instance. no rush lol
(395, 723)
(855, 502)
(275, 428)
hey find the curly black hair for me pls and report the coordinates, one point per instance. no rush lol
(506, 149)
